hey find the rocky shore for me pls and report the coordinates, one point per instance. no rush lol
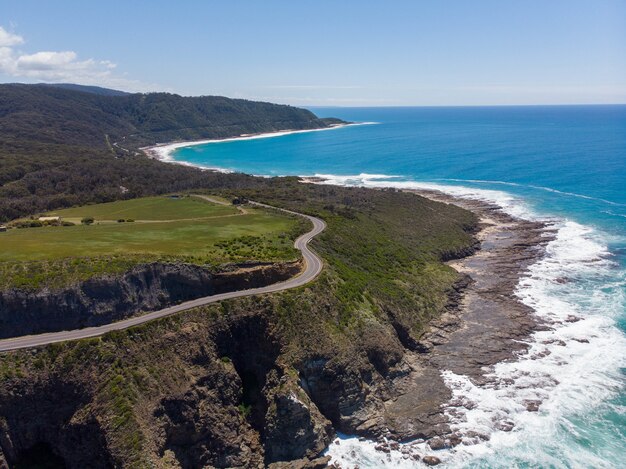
(485, 323)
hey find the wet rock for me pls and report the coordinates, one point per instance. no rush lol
(476, 435)
(469, 405)
(505, 425)
(532, 405)
(436, 443)
(382, 448)
(431, 460)
(454, 440)
(321, 462)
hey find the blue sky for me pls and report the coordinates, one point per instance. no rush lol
(339, 52)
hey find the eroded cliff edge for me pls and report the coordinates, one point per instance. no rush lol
(148, 287)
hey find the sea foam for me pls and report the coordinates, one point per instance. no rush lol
(571, 371)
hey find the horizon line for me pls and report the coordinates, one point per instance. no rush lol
(338, 106)
(454, 105)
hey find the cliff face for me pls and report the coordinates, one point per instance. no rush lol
(222, 386)
(107, 299)
(223, 399)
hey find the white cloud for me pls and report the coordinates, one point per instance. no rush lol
(41, 61)
(61, 66)
(8, 39)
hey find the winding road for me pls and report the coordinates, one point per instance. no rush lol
(313, 267)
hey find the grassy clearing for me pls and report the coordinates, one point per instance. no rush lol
(149, 209)
(166, 238)
(56, 255)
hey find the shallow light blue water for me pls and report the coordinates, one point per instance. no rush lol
(566, 164)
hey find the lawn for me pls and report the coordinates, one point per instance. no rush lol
(189, 230)
(149, 209)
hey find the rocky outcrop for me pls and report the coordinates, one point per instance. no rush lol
(102, 300)
(44, 424)
(246, 411)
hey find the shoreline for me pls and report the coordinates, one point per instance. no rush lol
(503, 398)
(485, 325)
(509, 244)
(163, 151)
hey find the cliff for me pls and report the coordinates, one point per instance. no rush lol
(103, 300)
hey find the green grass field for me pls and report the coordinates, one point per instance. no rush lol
(149, 209)
(186, 229)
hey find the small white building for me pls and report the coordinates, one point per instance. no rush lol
(2, 228)
(49, 218)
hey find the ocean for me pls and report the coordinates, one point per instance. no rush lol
(565, 165)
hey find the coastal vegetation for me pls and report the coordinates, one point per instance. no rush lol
(64, 147)
(223, 374)
(243, 383)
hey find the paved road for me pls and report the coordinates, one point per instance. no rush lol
(313, 266)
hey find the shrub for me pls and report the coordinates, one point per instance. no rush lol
(121, 220)
(28, 224)
(87, 220)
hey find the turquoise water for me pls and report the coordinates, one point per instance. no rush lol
(562, 164)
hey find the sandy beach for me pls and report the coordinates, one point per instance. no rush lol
(163, 151)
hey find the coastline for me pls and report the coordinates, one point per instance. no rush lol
(163, 151)
(508, 245)
(485, 324)
(504, 403)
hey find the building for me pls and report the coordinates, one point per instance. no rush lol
(49, 218)
(2, 228)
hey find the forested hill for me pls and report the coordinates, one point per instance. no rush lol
(61, 147)
(78, 116)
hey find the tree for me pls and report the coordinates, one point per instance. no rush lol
(87, 220)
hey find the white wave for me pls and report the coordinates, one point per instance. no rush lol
(608, 212)
(512, 205)
(543, 188)
(571, 370)
(362, 179)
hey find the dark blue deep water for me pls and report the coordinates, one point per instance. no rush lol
(562, 164)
